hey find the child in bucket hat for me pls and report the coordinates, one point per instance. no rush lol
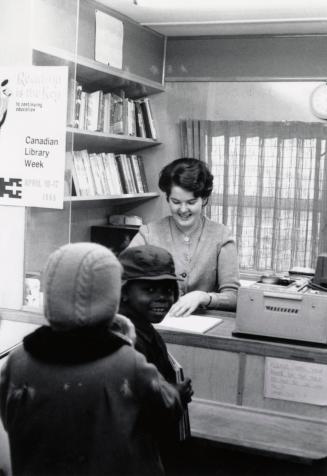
(149, 290)
(76, 398)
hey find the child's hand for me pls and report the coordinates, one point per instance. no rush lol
(123, 326)
(185, 391)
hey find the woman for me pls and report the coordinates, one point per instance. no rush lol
(204, 251)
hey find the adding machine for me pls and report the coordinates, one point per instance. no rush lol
(293, 307)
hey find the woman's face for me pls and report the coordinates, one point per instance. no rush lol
(185, 208)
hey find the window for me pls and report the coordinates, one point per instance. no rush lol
(269, 188)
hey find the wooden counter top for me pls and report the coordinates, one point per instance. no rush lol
(221, 337)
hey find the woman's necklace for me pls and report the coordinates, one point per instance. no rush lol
(187, 236)
(187, 239)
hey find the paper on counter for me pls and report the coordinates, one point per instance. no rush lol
(194, 323)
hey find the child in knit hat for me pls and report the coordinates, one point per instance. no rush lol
(149, 290)
(76, 398)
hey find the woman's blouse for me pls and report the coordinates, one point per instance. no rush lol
(206, 260)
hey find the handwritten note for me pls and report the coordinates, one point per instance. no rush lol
(295, 381)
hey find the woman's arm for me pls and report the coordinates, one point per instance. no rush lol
(228, 283)
(228, 279)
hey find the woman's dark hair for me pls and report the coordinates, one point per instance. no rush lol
(190, 174)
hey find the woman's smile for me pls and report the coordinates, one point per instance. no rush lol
(185, 208)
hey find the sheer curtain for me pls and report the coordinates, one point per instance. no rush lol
(270, 187)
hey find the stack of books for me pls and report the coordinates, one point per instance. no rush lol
(106, 173)
(110, 113)
(184, 423)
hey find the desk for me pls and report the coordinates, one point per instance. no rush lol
(229, 404)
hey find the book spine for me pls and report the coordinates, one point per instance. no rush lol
(80, 173)
(89, 176)
(142, 172)
(123, 180)
(126, 121)
(140, 127)
(131, 118)
(127, 174)
(137, 174)
(71, 101)
(83, 110)
(96, 174)
(100, 112)
(116, 175)
(153, 132)
(102, 174)
(107, 173)
(73, 189)
(106, 113)
(78, 104)
(92, 111)
(117, 113)
(133, 172)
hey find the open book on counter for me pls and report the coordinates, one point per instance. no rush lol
(195, 324)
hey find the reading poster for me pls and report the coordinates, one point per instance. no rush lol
(33, 102)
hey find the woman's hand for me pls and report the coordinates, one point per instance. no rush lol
(188, 303)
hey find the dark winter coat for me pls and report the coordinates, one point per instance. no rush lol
(83, 403)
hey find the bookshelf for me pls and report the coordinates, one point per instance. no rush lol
(64, 35)
(95, 74)
(80, 202)
(98, 141)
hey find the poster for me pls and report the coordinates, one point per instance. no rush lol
(109, 36)
(33, 104)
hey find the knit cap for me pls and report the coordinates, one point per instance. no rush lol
(81, 286)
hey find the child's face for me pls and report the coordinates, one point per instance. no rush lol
(150, 299)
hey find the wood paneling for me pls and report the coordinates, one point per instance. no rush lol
(214, 374)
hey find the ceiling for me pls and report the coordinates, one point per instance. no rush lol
(226, 17)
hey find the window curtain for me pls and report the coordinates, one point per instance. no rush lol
(269, 187)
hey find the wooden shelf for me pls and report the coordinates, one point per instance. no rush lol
(100, 142)
(95, 75)
(103, 200)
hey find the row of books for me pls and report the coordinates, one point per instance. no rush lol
(110, 113)
(106, 173)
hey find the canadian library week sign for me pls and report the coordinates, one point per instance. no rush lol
(33, 103)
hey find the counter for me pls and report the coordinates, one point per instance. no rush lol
(230, 402)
